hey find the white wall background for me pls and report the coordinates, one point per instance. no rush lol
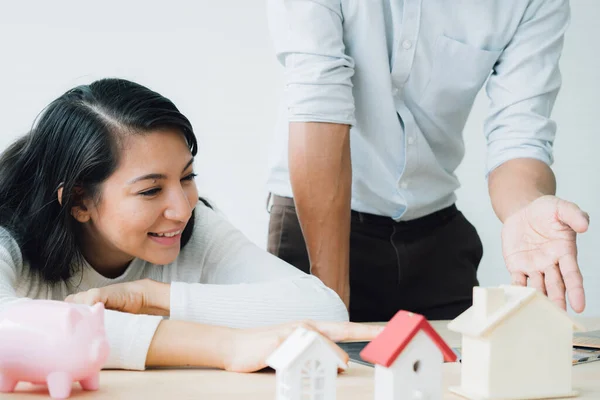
(214, 60)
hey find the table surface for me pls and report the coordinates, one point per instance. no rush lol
(355, 383)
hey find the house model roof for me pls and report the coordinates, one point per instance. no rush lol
(296, 344)
(514, 298)
(398, 333)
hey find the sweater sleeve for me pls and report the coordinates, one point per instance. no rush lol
(11, 267)
(242, 285)
(129, 335)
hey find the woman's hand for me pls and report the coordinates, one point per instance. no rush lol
(138, 297)
(248, 349)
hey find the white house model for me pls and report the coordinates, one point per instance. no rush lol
(516, 344)
(306, 367)
(408, 356)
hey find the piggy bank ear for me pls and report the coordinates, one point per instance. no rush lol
(72, 320)
(98, 313)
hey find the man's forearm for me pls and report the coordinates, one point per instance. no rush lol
(321, 177)
(516, 183)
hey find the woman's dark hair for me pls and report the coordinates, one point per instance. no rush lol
(74, 144)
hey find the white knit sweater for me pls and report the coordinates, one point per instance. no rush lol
(219, 278)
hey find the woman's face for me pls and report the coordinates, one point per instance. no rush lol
(144, 205)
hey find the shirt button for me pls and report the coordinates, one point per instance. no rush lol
(394, 91)
(407, 44)
(404, 185)
(411, 140)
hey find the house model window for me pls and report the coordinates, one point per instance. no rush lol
(416, 366)
(313, 381)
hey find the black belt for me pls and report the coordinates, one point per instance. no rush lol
(432, 219)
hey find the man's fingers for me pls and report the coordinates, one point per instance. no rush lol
(571, 215)
(536, 280)
(555, 286)
(573, 281)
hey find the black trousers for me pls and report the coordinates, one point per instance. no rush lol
(427, 266)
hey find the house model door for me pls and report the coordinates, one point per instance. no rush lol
(312, 378)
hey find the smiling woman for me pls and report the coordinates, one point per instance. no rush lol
(98, 204)
(144, 216)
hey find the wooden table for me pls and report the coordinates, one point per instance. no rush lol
(201, 384)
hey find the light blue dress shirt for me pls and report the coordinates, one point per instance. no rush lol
(404, 75)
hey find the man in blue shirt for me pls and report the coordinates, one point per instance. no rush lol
(392, 82)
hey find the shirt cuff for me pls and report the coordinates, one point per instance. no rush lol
(332, 103)
(179, 301)
(129, 336)
(499, 157)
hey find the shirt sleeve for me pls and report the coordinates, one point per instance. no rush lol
(244, 286)
(128, 335)
(524, 85)
(308, 40)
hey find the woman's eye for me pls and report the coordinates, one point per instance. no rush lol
(189, 177)
(150, 192)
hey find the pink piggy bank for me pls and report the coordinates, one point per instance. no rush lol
(54, 343)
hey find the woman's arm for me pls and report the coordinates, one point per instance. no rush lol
(137, 340)
(181, 343)
(242, 285)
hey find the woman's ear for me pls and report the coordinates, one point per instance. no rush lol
(79, 211)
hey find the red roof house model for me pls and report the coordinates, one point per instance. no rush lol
(398, 333)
